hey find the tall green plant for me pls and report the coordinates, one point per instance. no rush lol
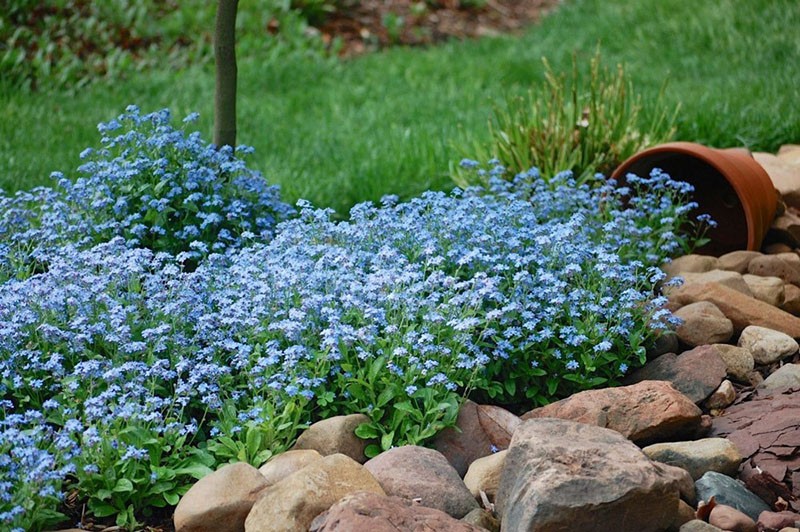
(573, 124)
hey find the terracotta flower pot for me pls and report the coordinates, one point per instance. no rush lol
(729, 185)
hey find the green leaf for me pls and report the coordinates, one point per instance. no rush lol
(101, 509)
(366, 431)
(552, 385)
(123, 486)
(386, 396)
(378, 365)
(372, 450)
(172, 498)
(387, 440)
(511, 387)
(102, 494)
(253, 441)
(195, 470)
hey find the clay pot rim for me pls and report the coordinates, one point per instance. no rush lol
(720, 160)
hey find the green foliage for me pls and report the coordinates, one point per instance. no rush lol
(585, 126)
(67, 44)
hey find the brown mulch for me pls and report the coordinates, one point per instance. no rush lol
(372, 25)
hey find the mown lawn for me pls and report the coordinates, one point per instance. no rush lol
(341, 132)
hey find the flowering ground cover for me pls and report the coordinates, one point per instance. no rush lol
(163, 312)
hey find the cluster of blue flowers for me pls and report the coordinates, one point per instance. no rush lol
(124, 375)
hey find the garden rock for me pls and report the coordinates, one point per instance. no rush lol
(703, 323)
(425, 475)
(730, 492)
(786, 227)
(689, 264)
(484, 475)
(766, 345)
(646, 412)
(766, 430)
(219, 501)
(737, 261)
(730, 519)
(781, 265)
(696, 525)
(730, 279)
(681, 371)
(284, 464)
(683, 514)
(740, 309)
(563, 475)
(774, 521)
(294, 502)
(377, 513)
(722, 397)
(336, 435)
(480, 429)
(767, 289)
(783, 176)
(739, 361)
(787, 376)
(791, 299)
(483, 519)
(698, 457)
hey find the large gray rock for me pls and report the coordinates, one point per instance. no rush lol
(787, 376)
(698, 457)
(767, 345)
(645, 412)
(293, 503)
(479, 431)
(423, 474)
(730, 492)
(335, 435)
(682, 371)
(220, 502)
(369, 512)
(562, 475)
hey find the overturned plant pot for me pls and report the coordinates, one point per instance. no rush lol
(729, 185)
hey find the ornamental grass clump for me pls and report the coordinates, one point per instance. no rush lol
(124, 377)
(586, 126)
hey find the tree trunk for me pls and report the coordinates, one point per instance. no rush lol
(225, 61)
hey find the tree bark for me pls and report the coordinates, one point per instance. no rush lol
(225, 61)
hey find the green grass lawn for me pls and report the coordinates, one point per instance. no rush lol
(341, 132)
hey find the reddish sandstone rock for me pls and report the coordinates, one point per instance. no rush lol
(480, 430)
(562, 475)
(423, 474)
(646, 412)
(731, 519)
(682, 372)
(376, 513)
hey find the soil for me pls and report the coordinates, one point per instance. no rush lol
(371, 25)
